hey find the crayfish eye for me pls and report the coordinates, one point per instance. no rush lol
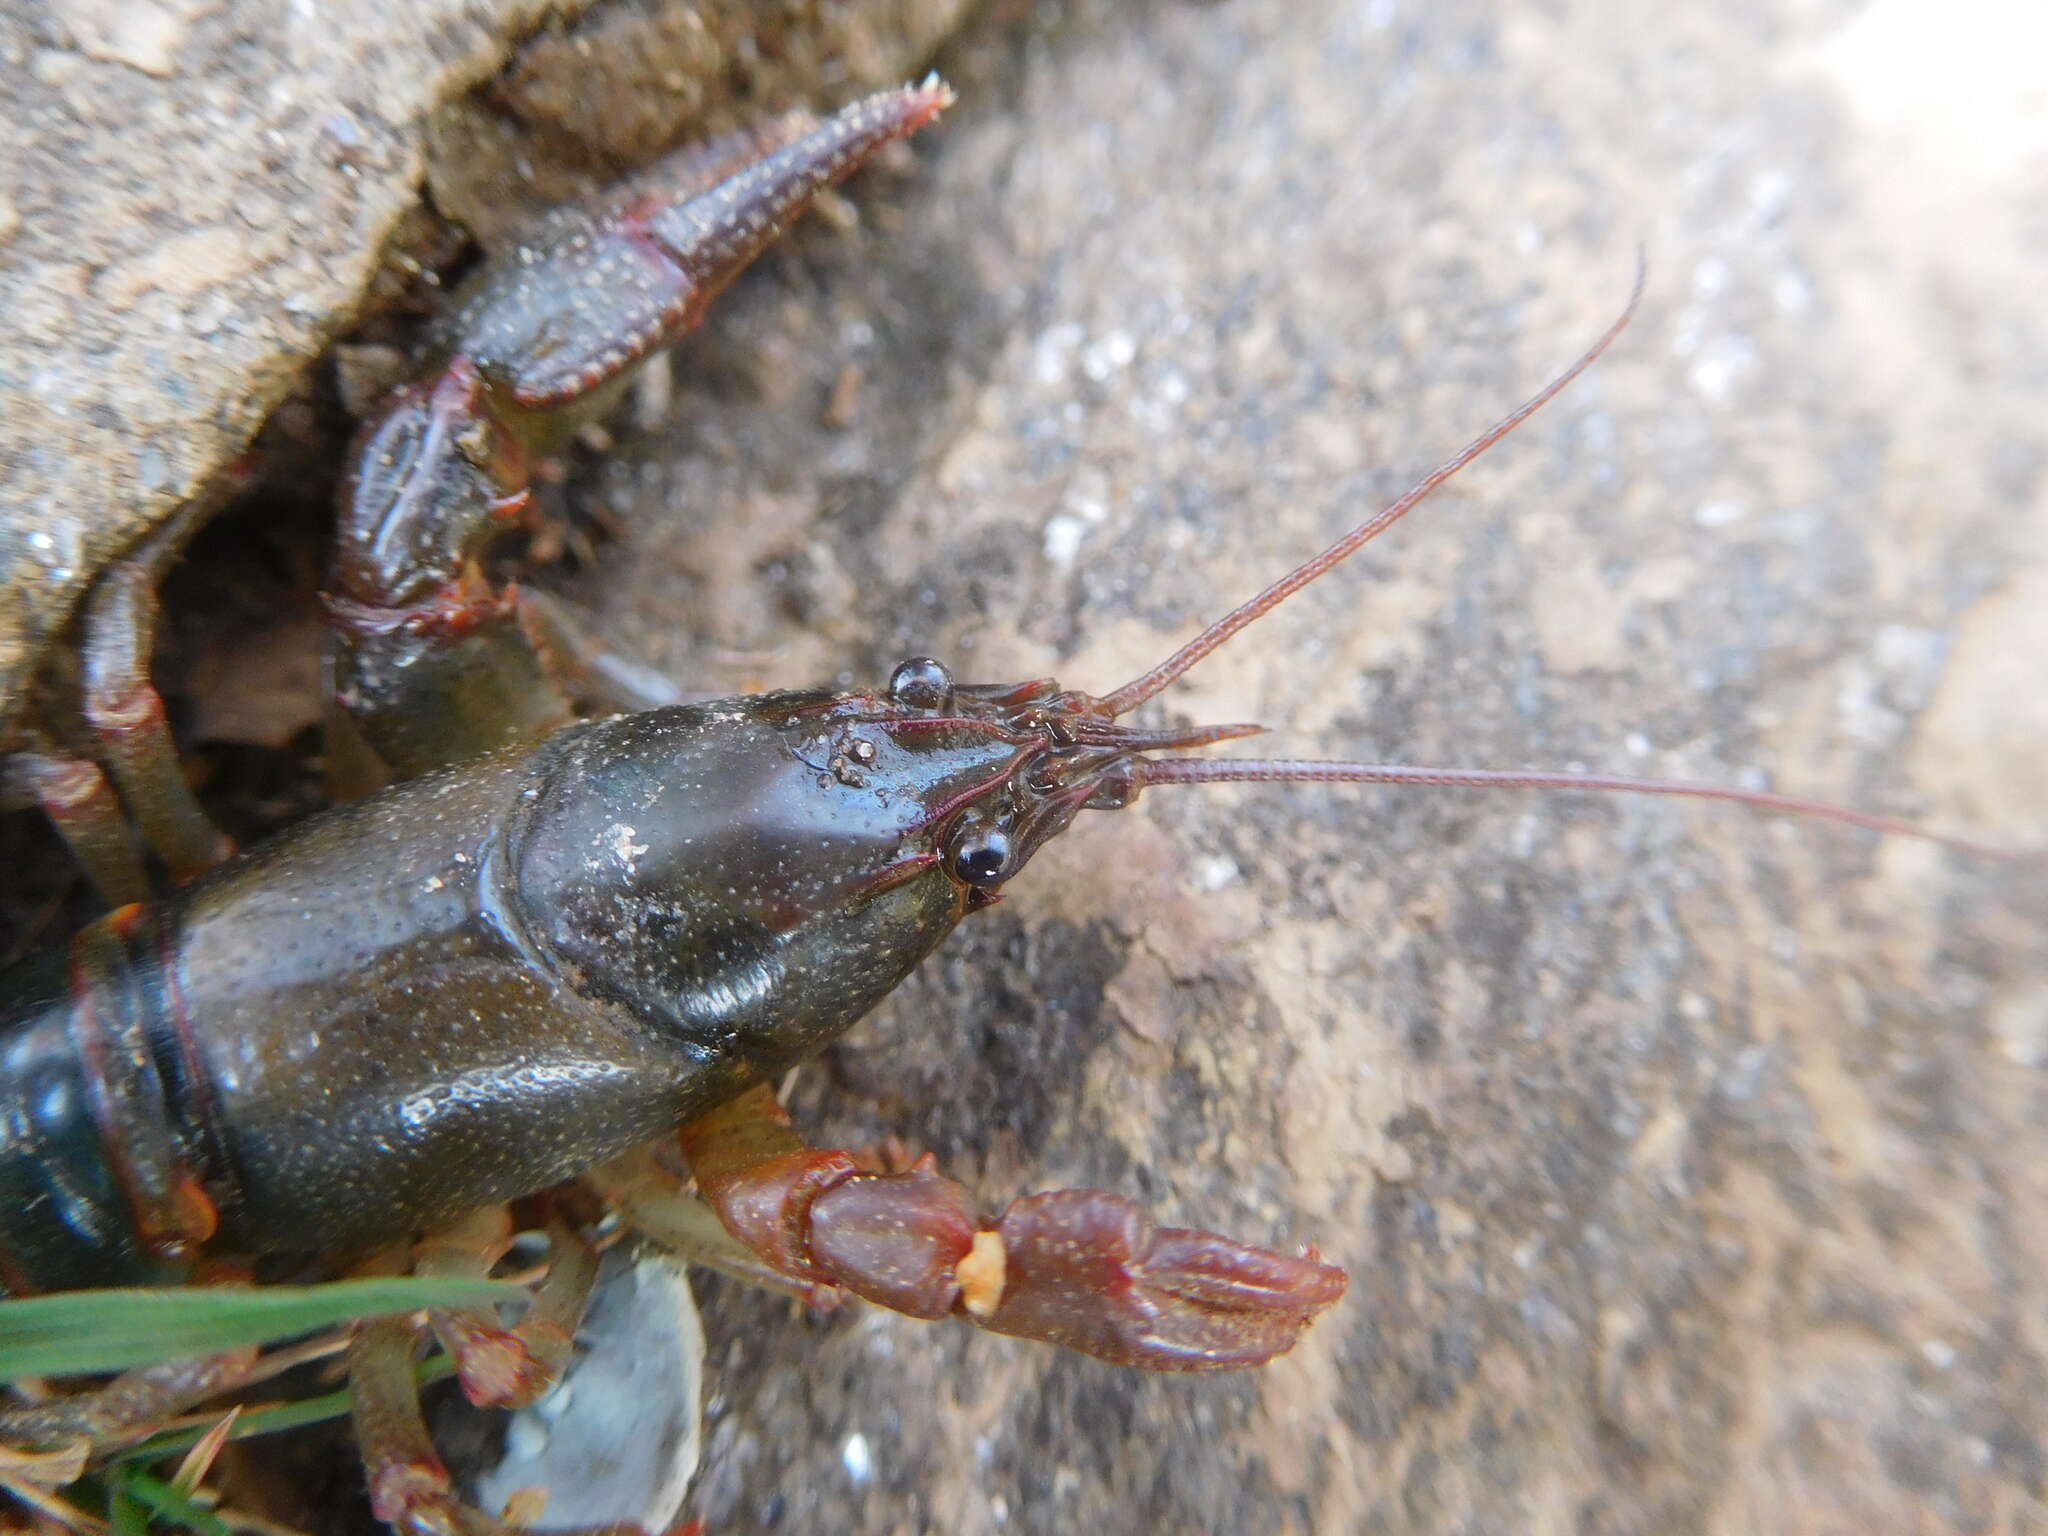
(921, 683)
(983, 855)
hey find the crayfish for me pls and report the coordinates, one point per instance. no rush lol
(552, 941)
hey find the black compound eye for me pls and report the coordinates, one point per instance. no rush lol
(983, 856)
(921, 683)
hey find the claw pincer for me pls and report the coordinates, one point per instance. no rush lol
(1081, 1268)
(430, 662)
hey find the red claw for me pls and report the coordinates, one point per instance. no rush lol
(1084, 1269)
(1079, 1268)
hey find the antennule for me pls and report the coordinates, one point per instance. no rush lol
(1137, 691)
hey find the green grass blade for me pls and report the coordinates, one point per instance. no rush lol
(169, 1505)
(89, 1331)
(125, 1513)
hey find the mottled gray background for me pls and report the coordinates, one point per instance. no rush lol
(1686, 1161)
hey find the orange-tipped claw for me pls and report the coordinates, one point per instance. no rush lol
(1086, 1270)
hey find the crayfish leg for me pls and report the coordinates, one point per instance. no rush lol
(98, 756)
(410, 1488)
(498, 1365)
(1081, 1268)
(81, 804)
(138, 784)
(126, 714)
(132, 1402)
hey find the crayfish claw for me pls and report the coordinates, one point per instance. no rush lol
(1080, 1268)
(1085, 1269)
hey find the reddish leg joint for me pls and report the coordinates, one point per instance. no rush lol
(127, 716)
(499, 1365)
(410, 1489)
(88, 815)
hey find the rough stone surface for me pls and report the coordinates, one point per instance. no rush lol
(194, 195)
(1687, 1162)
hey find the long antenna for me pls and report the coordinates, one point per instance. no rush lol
(1148, 772)
(1144, 772)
